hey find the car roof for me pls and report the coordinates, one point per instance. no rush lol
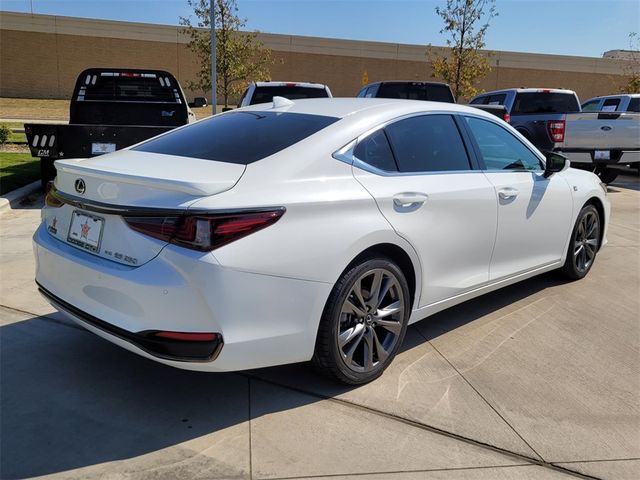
(617, 95)
(291, 84)
(344, 107)
(419, 82)
(528, 90)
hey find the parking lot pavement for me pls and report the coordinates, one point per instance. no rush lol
(539, 380)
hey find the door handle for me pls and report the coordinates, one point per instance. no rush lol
(409, 199)
(507, 193)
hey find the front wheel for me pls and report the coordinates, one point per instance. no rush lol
(364, 322)
(584, 244)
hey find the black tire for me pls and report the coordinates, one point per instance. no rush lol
(578, 263)
(374, 344)
(606, 175)
(47, 171)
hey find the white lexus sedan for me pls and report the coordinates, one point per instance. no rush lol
(308, 230)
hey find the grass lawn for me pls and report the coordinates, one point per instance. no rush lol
(34, 109)
(17, 170)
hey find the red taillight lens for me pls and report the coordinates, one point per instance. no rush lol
(506, 117)
(556, 130)
(205, 232)
(187, 336)
(51, 200)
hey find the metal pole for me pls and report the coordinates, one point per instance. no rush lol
(214, 91)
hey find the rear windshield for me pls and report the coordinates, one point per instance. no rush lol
(134, 87)
(238, 137)
(541, 102)
(266, 94)
(416, 91)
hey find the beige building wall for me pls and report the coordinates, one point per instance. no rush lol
(41, 55)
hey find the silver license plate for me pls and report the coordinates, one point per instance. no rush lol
(602, 155)
(86, 231)
(100, 148)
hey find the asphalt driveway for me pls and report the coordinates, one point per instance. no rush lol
(540, 380)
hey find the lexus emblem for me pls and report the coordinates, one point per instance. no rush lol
(80, 186)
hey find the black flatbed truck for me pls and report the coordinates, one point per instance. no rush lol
(110, 109)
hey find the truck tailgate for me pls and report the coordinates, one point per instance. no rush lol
(82, 141)
(602, 131)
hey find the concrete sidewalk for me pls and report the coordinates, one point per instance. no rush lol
(537, 381)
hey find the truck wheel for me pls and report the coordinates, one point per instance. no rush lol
(47, 171)
(606, 174)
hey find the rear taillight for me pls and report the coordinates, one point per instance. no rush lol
(556, 130)
(506, 117)
(51, 200)
(206, 231)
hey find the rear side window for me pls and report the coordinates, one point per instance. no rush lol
(634, 105)
(610, 105)
(429, 143)
(545, 102)
(497, 99)
(375, 151)
(238, 137)
(479, 101)
(500, 149)
(266, 94)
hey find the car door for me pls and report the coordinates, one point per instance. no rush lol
(534, 212)
(420, 174)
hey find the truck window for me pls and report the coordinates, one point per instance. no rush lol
(416, 91)
(480, 100)
(610, 104)
(591, 106)
(634, 105)
(266, 94)
(238, 137)
(545, 102)
(127, 86)
(497, 99)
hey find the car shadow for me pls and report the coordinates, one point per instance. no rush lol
(71, 399)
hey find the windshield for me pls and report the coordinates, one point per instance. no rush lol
(545, 102)
(238, 137)
(266, 94)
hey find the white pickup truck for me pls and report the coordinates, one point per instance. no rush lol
(597, 140)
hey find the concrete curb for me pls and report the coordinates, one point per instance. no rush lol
(12, 199)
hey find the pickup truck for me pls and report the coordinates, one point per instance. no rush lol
(430, 91)
(263, 92)
(110, 109)
(552, 120)
(626, 102)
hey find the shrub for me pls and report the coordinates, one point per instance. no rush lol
(5, 133)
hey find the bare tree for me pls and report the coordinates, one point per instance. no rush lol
(464, 64)
(632, 68)
(240, 56)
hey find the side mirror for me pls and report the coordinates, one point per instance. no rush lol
(198, 102)
(555, 163)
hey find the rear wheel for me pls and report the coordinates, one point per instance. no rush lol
(584, 244)
(364, 322)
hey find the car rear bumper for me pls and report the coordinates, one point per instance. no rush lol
(617, 158)
(264, 320)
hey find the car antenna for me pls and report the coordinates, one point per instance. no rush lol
(279, 102)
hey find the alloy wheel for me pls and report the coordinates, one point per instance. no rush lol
(371, 320)
(586, 241)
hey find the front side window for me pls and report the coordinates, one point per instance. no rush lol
(428, 143)
(634, 105)
(238, 137)
(500, 149)
(375, 151)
